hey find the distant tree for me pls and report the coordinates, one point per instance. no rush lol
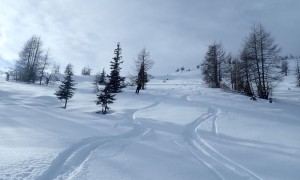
(143, 64)
(264, 62)
(132, 79)
(177, 70)
(116, 82)
(102, 77)
(298, 75)
(212, 66)
(29, 62)
(86, 71)
(105, 98)
(7, 76)
(238, 78)
(284, 67)
(52, 77)
(96, 81)
(182, 68)
(246, 69)
(231, 70)
(56, 69)
(44, 65)
(66, 89)
(227, 67)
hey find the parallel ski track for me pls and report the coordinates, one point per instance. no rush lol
(66, 163)
(223, 167)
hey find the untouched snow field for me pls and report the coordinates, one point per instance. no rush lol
(177, 129)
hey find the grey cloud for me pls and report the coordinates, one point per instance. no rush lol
(176, 32)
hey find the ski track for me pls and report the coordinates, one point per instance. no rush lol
(69, 162)
(219, 164)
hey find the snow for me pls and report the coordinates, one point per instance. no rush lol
(176, 129)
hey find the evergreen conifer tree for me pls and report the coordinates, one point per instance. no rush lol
(102, 80)
(66, 89)
(116, 82)
(105, 98)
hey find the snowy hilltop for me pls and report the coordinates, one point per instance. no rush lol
(176, 129)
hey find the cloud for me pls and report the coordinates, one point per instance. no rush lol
(175, 32)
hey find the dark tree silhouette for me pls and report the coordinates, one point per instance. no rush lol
(143, 64)
(7, 76)
(298, 75)
(102, 78)
(44, 65)
(264, 62)
(116, 82)
(212, 66)
(52, 77)
(66, 89)
(86, 71)
(284, 67)
(29, 62)
(105, 98)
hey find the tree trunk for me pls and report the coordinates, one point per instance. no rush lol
(216, 74)
(41, 78)
(104, 109)
(259, 86)
(66, 103)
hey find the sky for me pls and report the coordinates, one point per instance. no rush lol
(175, 32)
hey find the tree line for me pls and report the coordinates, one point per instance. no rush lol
(255, 71)
(34, 62)
(113, 83)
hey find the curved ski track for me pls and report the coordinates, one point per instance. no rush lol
(68, 162)
(223, 167)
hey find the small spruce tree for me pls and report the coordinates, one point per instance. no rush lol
(116, 82)
(66, 89)
(102, 78)
(105, 98)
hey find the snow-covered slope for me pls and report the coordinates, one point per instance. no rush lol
(176, 129)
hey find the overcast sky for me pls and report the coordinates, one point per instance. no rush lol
(176, 32)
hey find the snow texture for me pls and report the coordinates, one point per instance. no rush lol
(176, 129)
